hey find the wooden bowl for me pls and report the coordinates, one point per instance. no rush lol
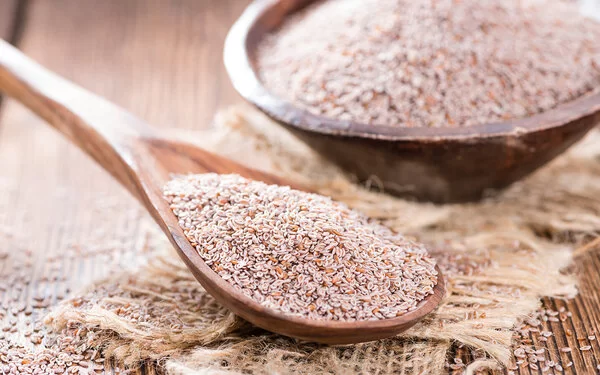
(432, 164)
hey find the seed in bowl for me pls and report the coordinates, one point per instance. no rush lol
(300, 253)
(424, 63)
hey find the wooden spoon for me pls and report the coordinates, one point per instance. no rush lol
(140, 159)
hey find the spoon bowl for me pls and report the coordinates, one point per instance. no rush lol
(447, 164)
(143, 161)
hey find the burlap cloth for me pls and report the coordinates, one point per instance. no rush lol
(499, 256)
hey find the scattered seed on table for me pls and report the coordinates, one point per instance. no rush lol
(533, 366)
(300, 253)
(568, 332)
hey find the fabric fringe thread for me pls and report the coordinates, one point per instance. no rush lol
(499, 257)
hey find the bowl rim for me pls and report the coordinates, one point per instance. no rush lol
(245, 79)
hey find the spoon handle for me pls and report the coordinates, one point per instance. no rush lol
(100, 128)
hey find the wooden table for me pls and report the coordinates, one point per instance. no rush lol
(161, 60)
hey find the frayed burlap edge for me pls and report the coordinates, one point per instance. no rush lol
(499, 256)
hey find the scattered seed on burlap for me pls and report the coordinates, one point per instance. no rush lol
(300, 253)
(424, 63)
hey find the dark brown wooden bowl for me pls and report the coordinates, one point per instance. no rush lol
(433, 164)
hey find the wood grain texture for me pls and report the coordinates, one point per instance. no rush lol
(8, 10)
(8, 22)
(129, 63)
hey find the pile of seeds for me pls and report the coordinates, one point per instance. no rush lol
(300, 253)
(423, 63)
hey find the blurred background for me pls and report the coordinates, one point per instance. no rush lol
(171, 51)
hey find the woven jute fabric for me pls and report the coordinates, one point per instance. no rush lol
(499, 257)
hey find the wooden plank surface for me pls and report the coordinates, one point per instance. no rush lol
(8, 22)
(8, 9)
(161, 60)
